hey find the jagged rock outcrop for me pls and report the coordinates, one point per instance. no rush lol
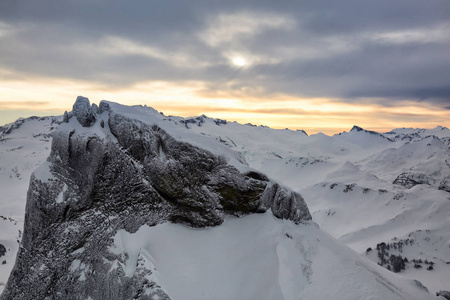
(118, 173)
(2, 250)
(445, 294)
(359, 129)
(410, 179)
(199, 121)
(84, 112)
(445, 184)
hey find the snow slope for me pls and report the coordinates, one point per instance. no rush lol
(259, 257)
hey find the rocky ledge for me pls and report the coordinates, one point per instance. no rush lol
(410, 179)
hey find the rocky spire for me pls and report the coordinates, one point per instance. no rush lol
(83, 111)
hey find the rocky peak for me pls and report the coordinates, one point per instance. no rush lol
(302, 131)
(200, 120)
(360, 129)
(357, 128)
(101, 179)
(104, 106)
(83, 111)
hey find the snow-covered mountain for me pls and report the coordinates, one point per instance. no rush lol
(362, 187)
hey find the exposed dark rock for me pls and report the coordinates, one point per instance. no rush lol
(349, 187)
(257, 175)
(200, 120)
(188, 121)
(66, 117)
(136, 174)
(2, 250)
(302, 131)
(445, 184)
(104, 106)
(359, 129)
(445, 294)
(409, 179)
(83, 111)
(220, 122)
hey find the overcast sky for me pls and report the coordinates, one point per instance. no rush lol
(316, 65)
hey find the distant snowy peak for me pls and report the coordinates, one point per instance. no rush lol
(414, 134)
(407, 134)
(444, 130)
(359, 129)
(199, 121)
(9, 128)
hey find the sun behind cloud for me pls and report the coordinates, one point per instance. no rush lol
(239, 61)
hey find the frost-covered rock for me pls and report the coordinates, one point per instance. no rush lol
(83, 111)
(145, 283)
(445, 184)
(410, 179)
(2, 250)
(445, 294)
(199, 121)
(122, 175)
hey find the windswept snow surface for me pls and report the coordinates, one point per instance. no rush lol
(258, 257)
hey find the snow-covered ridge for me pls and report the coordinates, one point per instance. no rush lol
(9, 128)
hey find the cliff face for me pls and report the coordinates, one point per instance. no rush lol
(108, 172)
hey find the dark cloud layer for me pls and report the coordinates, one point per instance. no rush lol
(348, 50)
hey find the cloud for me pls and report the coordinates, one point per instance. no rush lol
(4, 105)
(356, 52)
(232, 29)
(438, 33)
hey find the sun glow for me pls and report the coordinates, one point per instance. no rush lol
(239, 61)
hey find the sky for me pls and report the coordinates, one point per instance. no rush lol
(321, 66)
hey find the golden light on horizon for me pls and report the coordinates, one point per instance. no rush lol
(187, 99)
